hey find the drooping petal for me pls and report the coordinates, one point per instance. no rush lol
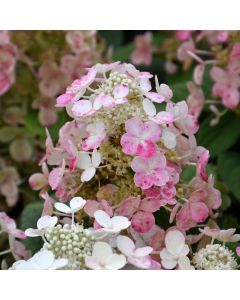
(96, 158)
(102, 218)
(149, 107)
(88, 174)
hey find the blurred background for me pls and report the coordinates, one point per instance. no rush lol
(36, 67)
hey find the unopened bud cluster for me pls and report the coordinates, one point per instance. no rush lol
(70, 241)
(215, 257)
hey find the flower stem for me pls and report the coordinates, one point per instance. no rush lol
(5, 251)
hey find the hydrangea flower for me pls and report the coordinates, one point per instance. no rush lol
(150, 171)
(103, 258)
(138, 257)
(88, 164)
(43, 224)
(116, 129)
(42, 260)
(111, 225)
(175, 253)
(140, 138)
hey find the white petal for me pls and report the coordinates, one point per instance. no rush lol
(143, 251)
(101, 252)
(140, 262)
(125, 245)
(46, 221)
(43, 259)
(184, 263)
(102, 218)
(92, 263)
(62, 207)
(116, 262)
(120, 223)
(174, 242)
(84, 160)
(33, 232)
(77, 203)
(165, 91)
(164, 254)
(88, 174)
(168, 261)
(185, 250)
(149, 107)
(58, 264)
(96, 158)
(169, 264)
(169, 139)
(25, 265)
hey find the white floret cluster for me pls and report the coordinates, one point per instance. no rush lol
(214, 257)
(72, 242)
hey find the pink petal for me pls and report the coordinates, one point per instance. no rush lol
(142, 181)
(64, 99)
(82, 108)
(91, 206)
(164, 117)
(120, 91)
(150, 204)
(55, 177)
(129, 206)
(142, 221)
(155, 97)
(199, 211)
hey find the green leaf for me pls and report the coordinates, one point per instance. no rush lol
(113, 37)
(123, 53)
(188, 172)
(31, 213)
(221, 137)
(229, 171)
(180, 91)
(33, 125)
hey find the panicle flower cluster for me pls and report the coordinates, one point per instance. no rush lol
(126, 159)
(215, 257)
(217, 49)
